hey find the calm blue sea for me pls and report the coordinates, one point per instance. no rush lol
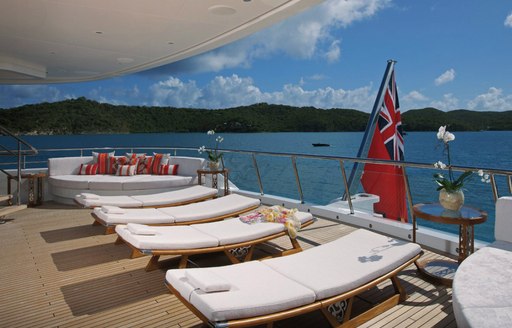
(321, 180)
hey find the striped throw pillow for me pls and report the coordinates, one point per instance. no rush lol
(159, 159)
(88, 169)
(168, 169)
(103, 161)
(126, 170)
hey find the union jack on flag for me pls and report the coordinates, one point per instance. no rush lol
(390, 122)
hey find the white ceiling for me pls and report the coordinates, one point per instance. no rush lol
(45, 41)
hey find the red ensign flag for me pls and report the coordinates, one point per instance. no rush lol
(387, 181)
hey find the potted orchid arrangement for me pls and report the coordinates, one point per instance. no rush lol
(214, 155)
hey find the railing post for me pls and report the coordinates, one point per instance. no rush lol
(18, 191)
(347, 189)
(255, 164)
(297, 179)
(494, 188)
(408, 193)
(509, 180)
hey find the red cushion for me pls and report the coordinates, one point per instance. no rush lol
(168, 169)
(158, 159)
(88, 169)
(126, 170)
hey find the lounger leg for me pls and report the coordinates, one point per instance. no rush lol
(183, 262)
(153, 263)
(110, 230)
(136, 253)
(231, 257)
(399, 289)
(119, 241)
(96, 223)
(296, 248)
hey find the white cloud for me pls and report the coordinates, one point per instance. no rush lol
(415, 96)
(493, 100)
(508, 20)
(446, 77)
(17, 95)
(232, 91)
(302, 36)
(449, 102)
(334, 52)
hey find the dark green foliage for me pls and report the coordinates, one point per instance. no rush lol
(80, 116)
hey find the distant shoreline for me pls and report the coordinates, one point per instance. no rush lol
(83, 116)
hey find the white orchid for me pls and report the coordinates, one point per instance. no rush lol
(439, 165)
(214, 155)
(484, 177)
(445, 135)
(450, 184)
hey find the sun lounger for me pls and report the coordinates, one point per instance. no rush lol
(261, 292)
(222, 236)
(201, 212)
(169, 198)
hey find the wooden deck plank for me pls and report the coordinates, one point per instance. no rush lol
(58, 270)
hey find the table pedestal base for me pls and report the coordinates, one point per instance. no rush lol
(440, 271)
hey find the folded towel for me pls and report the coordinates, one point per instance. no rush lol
(87, 195)
(206, 280)
(112, 209)
(140, 229)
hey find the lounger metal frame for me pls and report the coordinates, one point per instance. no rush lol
(154, 263)
(398, 296)
(111, 228)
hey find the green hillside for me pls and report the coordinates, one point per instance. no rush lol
(80, 116)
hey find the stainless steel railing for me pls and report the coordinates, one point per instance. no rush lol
(253, 156)
(20, 153)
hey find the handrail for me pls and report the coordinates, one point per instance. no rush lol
(19, 152)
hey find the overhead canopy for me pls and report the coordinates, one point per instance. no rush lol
(44, 41)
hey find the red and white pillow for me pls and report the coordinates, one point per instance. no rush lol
(168, 169)
(88, 169)
(103, 161)
(126, 170)
(159, 159)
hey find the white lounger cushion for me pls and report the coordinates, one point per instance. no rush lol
(184, 213)
(135, 215)
(176, 196)
(168, 238)
(345, 263)
(313, 274)
(211, 208)
(246, 298)
(158, 199)
(121, 201)
(203, 235)
(235, 231)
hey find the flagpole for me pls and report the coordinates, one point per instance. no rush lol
(370, 128)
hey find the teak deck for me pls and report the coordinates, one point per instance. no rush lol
(57, 270)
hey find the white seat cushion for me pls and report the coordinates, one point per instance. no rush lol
(145, 181)
(176, 196)
(482, 288)
(346, 263)
(70, 181)
(246, 298)
(135, 215)
(168, 238)
(107, 182)
(211, 208)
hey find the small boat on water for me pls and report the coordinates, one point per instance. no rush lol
(321, 145)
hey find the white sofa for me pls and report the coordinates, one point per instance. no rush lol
(64, 181)
(482, 286)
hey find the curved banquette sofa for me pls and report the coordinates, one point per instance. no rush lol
(68, 176)
(482, 287)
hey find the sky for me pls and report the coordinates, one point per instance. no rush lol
(450, 55)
